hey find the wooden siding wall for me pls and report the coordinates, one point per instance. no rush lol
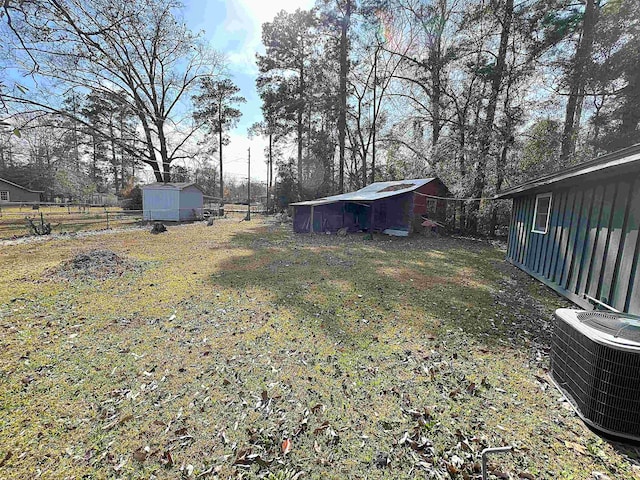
(591, 246)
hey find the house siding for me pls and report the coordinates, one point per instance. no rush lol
(591, 246)
(17, 194)
(399, 211)
(191, 201)
(434, 188)
(172, 204)
(161, 204)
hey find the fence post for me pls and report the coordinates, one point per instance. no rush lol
(107, 220)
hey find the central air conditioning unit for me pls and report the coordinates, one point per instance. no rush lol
(595, 361)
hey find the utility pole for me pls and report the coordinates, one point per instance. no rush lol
(249, 186)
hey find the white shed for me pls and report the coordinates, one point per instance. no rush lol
(172, 201)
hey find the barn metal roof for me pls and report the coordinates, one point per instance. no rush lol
(375, 191)
(612, 162)
(171, 186)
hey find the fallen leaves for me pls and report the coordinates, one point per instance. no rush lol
(116, 422)
(141, 455)
(526, 476)
(6, 458)
(286, 446)
(224, 373)
(166, 459)
(576, 447)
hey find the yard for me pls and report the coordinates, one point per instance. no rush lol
(243, 351)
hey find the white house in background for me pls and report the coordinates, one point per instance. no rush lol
(172, 202)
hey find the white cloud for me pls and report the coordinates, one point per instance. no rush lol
(241, 28)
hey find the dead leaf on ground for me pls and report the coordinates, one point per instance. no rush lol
(167, 459)
(576, 447)
(321, 428)
(140, 455)
(6, 457)
(286, 446)
(452, 469)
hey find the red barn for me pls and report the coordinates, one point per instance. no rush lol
(399, 206)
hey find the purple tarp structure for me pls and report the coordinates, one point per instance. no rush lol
(377, 207)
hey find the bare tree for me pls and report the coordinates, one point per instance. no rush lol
(139, 48)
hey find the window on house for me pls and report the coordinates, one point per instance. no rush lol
(4, 196)
(541, 213)
(432, 206)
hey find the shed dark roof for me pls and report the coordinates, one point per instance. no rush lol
(20, 186)
(627, 159)
(171, 186)
(372, 192)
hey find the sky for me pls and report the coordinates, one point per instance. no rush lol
(234, 28)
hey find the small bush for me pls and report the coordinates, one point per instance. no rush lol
(38, 228)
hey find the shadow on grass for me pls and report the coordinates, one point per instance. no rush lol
(361, 291)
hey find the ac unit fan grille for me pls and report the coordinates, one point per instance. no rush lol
(602, 382)
(617, 325)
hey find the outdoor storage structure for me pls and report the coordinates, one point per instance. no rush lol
(577, 230)
(12, 192)
(399, 206)
(172, 202)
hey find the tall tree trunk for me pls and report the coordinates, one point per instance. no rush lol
(487, 127)
(164, 154)
(375, 116)
(153, 159)
(630, 113)
(435, 63)
(300, 114)
(94, 162)
(462, 166)
(133, 162)
(344, 69)
(270, 185)
(123, 172)
(578, 80)
(76, 148)
(114, 159)
(501, 163)
(220, 151)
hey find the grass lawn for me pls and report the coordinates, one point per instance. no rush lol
(390, 358)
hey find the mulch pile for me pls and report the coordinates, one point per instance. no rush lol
(96, 265)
